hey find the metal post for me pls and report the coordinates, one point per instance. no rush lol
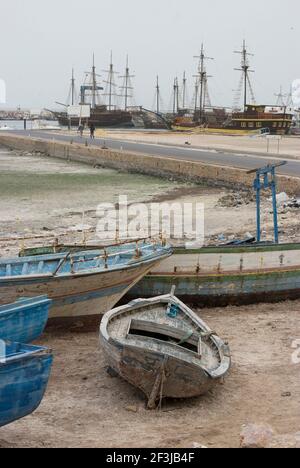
(275, 212)
(258, 224)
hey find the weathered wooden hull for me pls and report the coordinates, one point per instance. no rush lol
(142, 368)
(163, 348)
(78, 298)
(24, 321)
(23, 382)
(227, 276)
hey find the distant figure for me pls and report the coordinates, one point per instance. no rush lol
(80, 130)
(92, 130)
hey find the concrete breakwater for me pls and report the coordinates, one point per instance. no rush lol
(191, 171)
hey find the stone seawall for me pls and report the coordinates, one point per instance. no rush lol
(145, 164)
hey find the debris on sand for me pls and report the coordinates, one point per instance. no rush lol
(235, 199)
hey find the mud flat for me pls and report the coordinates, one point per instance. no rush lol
(44, 198)
(84, 407)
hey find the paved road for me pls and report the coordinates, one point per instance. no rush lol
(241, 161)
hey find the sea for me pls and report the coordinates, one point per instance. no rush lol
(6, 125)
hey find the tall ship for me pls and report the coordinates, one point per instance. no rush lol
(249, 117)
(110, 114)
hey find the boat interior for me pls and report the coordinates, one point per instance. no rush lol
(167, 329)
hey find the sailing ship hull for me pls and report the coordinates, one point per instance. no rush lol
(23, 381)
(78, 300)
(25, 320)
(100, 120)
(227, 276)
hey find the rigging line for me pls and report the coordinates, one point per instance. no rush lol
(251, 89)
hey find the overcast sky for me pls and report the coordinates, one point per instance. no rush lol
(40, 42)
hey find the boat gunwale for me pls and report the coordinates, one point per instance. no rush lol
(133, 264)
(32, 351)
(226, 249)
(24, 304)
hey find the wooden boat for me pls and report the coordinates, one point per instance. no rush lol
(24, 375)
(82, 285)
(25, 320)
(229, 275)
(163, 348)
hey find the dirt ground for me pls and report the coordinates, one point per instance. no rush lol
(84, 407)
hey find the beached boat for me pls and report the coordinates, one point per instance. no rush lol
(25, 320)
(163, 348)
(24, 375)
(82, 285)
(229, 275)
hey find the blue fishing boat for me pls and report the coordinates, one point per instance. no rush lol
(25, 320)
(82, 285)
(24, 375)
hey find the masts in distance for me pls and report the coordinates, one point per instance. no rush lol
(90, 85)
(157, 96)
(202, 84)
(111, 84)
(184, 81)
(245, 78)
(127, 85)
(175, 96)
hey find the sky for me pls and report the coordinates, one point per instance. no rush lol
(40, 42)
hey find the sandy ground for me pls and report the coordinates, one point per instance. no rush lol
(84, 407)
(288, 146)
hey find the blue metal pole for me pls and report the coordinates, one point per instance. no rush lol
(257, 186)
(275, 212)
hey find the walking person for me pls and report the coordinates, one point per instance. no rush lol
(92, 130)
(80, 130)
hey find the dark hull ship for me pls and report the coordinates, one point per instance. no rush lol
(103, 118)
(262, 119)
(110, 115)
(275, 121)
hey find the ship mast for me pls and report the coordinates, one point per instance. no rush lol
(111, 83)
(94, 84)
(281, 97)
(184, 90)
(73, 88)
(157, 95)
(127, 85)
(245, 68)
(202, 76)
(175, 96)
